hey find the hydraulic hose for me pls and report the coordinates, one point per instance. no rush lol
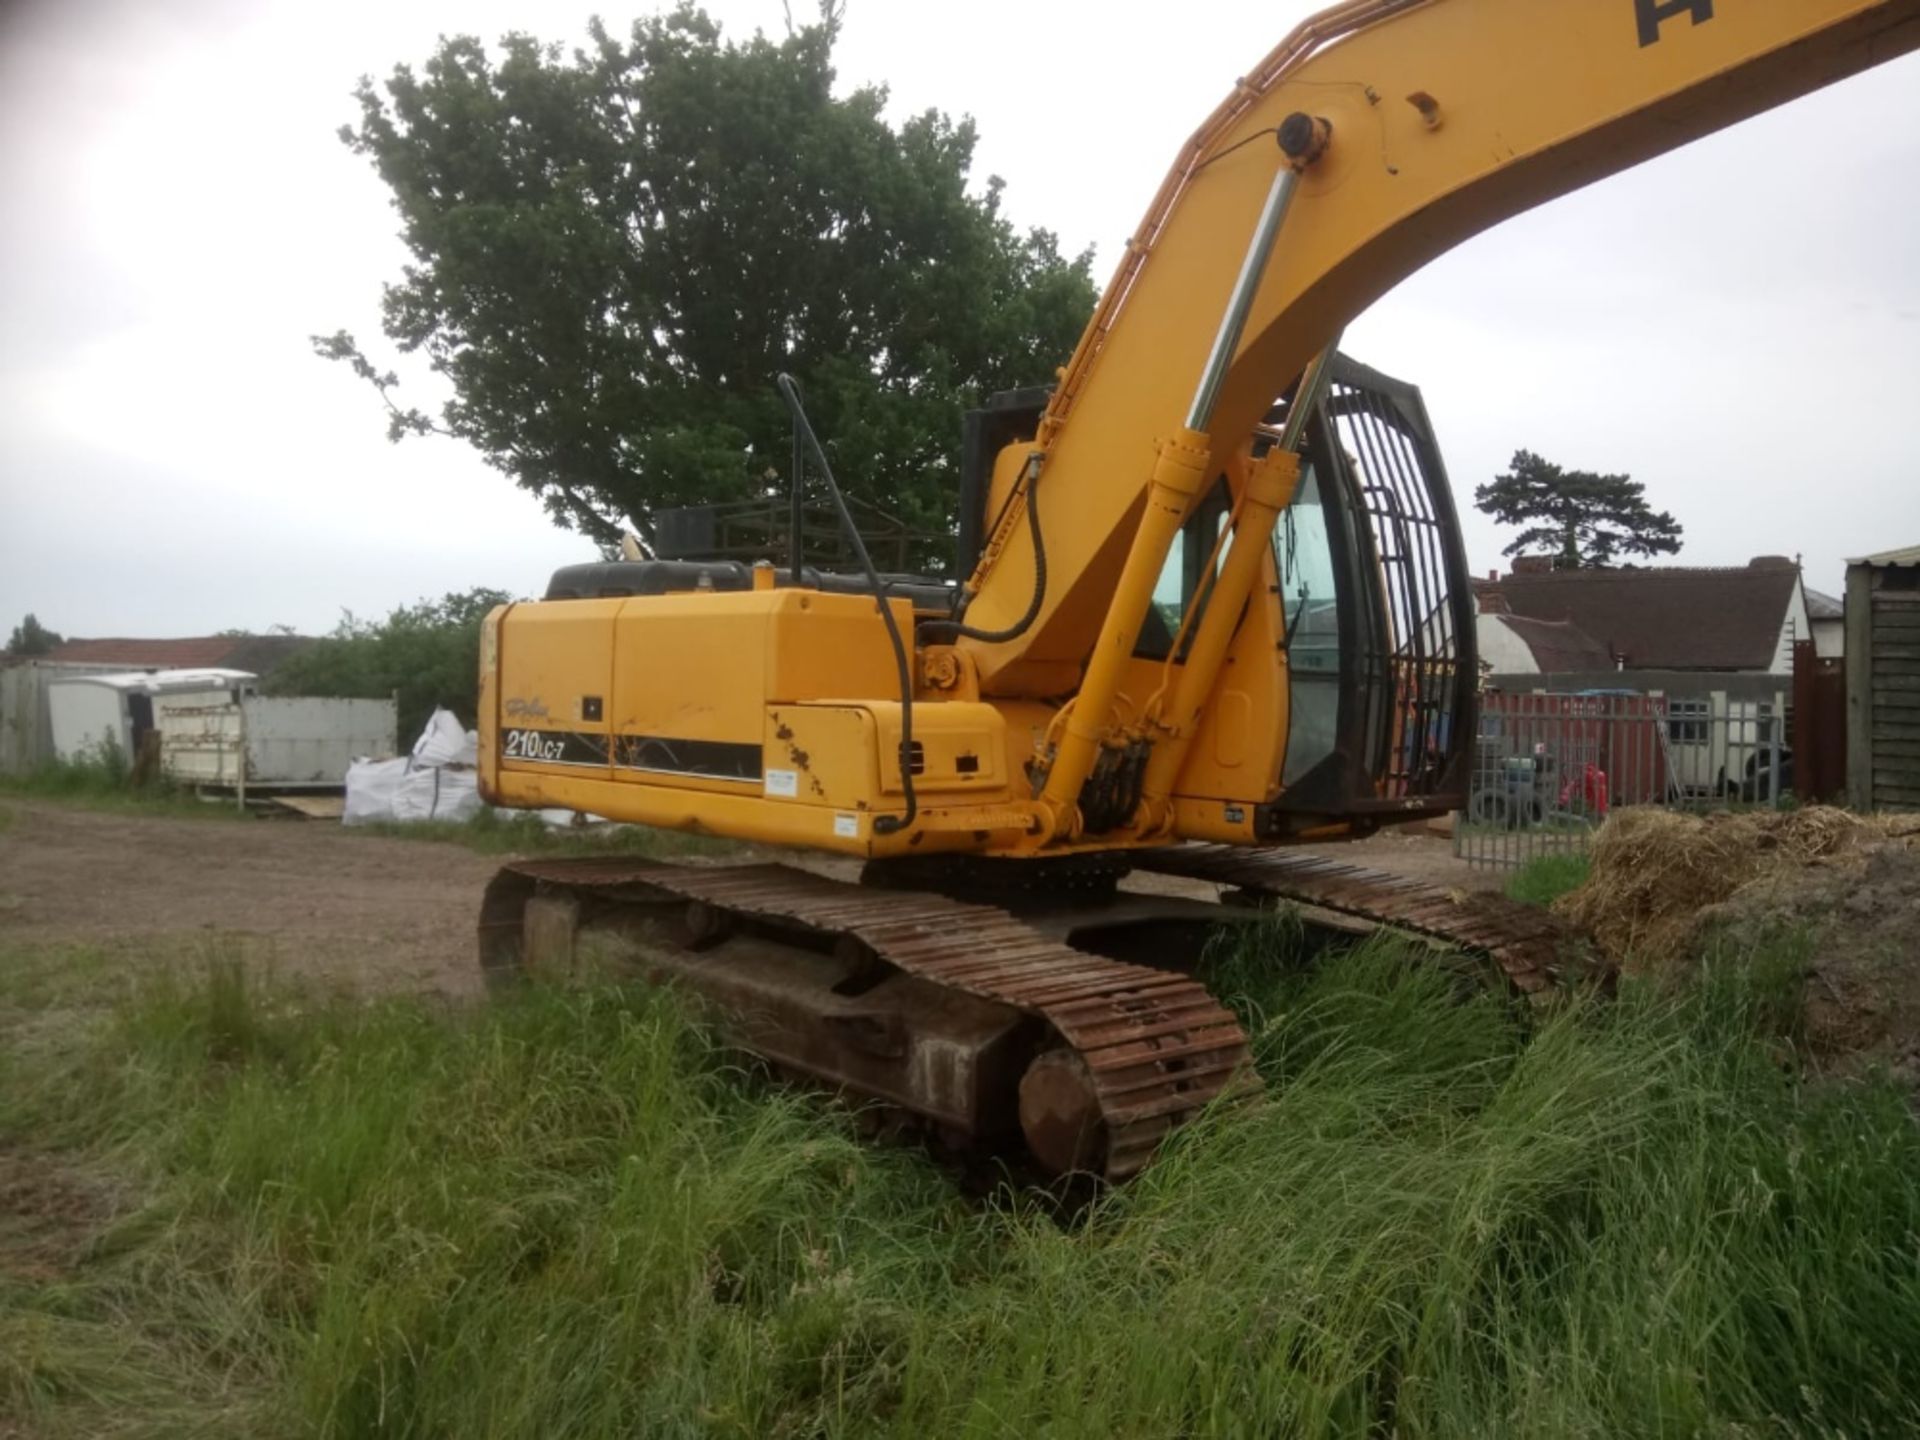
(883, 824)
(955, 630)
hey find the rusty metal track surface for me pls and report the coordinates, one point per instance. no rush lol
(1527, 943)
(1157, 1045)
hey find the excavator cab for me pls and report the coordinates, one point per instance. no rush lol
(1373, 590)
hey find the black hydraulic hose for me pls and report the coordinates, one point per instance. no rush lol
(954, 629)
(883, 824)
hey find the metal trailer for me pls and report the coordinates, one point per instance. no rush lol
(270, 742)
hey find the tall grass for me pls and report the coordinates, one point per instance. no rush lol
(102, 778)
(99, 771)
(568, 1213)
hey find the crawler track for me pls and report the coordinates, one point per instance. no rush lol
(1157, 1047)
(1530, 946)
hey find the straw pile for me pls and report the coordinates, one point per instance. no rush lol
(1655, 871)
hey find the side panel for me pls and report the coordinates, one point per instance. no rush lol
(831, 647)
(202, 744)
(302, 740)
(847, 756)
(822, 755)
(689, 688)
(554, 679)
(85, 717)
(670, 691)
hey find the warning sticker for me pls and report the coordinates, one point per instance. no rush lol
(783, 782)
(847, 826)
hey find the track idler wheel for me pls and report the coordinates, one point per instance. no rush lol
(1060, 1114)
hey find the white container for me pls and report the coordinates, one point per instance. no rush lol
(279, 742)
(88, 712)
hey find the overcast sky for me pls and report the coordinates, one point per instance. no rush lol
(1737, 325)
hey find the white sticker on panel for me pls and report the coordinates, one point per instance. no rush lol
(783, 782)
(847, 826)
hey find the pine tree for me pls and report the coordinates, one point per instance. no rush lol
(1583, 519)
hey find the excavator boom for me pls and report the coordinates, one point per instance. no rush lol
(1446, 117)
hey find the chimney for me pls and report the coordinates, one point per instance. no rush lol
(1533, 564)
(1493, 577)
(1770, 562)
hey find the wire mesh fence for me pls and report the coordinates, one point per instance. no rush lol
(1548, 769)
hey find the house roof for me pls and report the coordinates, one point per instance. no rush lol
(1669, 618)
(256, 654)
(263, 653)
(1559, 646)
(1822, 606)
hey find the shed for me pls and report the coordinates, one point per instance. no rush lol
(88, 712)
(1883, 680)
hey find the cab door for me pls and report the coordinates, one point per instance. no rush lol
(1378, 611)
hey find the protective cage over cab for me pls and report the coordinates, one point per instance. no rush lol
(1384, 671)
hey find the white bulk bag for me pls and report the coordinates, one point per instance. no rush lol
(437, 792)
(371, 786)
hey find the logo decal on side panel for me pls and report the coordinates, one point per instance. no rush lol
(1650, 14)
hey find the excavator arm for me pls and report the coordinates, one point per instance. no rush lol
(1378, 135)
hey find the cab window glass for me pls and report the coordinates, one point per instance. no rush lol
(1303, 556)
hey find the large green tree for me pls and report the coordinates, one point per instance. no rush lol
(615, 250)
(1579, 517)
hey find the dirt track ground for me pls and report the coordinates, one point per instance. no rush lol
(368, 911)
(363, 909)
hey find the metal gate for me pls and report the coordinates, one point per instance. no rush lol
(1549, 768)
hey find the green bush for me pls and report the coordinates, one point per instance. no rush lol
(425, 655)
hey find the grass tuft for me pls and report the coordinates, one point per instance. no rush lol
(1545, 878)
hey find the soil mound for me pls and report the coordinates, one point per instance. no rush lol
(1654, 871)
(1860, 917)
(1662, 884)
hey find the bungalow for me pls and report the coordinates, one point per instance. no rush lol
(1715, 644)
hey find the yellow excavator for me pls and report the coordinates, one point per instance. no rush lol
(1215, 604)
